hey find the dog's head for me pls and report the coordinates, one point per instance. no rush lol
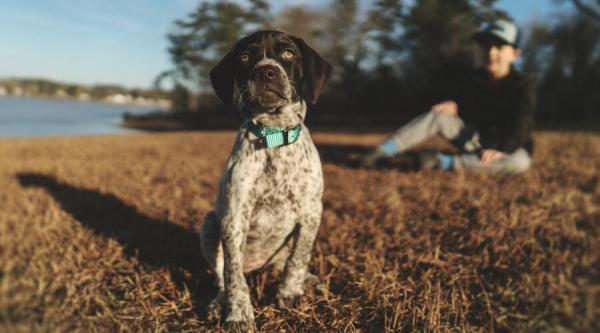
(267, 71)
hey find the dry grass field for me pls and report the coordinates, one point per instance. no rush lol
(100, 234)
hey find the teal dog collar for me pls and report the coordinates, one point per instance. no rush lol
(273, 137)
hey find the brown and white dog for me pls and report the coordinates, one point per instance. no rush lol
(268, 209)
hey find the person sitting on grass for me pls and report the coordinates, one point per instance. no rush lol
(489, 117)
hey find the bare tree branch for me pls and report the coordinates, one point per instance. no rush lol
(587, 9)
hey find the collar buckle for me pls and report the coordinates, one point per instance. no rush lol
(286, 138)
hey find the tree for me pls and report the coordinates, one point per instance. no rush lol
(199, 41)
(571, 82)
(181, 98)
(536, 52)
(301, 21)
(385, 26)
(345, 36)
(565, 60)
(438, 32)
(590, 8)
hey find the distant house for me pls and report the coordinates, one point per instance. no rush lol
(119, 99)
(3, 91)
(139, 100)
(83, 96)
(17, 91)
(61, 94)
(163, 103)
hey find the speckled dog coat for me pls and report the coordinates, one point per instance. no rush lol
(268, 209)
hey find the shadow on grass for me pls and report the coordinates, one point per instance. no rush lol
(155, 242)
(351, 155)
(343, 155)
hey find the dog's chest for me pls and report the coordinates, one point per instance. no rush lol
(285, 177)
(280, 185)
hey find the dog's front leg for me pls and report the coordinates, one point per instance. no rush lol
(296, 268)
(239, 316)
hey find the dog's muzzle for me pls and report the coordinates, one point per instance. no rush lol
(269, 86)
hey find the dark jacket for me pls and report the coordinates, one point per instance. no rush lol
(501, 111)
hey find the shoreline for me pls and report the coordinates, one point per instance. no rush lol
(157, 106)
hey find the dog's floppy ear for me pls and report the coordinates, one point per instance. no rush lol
(222, 78)
(316, 71)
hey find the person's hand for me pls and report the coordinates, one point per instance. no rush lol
(488, 156)
(446, 107)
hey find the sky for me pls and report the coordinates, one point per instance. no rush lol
(122, 41)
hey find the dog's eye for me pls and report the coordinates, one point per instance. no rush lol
(245, 57)
(287, 55)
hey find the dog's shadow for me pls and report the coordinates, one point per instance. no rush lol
(155, 242)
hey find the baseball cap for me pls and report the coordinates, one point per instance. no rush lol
(504, 30)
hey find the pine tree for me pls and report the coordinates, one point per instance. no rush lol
(200, 40)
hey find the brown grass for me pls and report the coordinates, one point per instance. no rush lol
(100, 234)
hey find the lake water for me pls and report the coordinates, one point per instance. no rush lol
(24, 117)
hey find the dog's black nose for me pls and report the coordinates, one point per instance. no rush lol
(266, 72)
(269, 73)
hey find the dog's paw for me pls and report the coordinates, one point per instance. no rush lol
(213, 310)
(288, 302)
(311, 280)
(238, 316)
(238, 327)
(290, 295)
(313, 283)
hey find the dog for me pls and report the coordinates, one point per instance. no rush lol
(269, 206)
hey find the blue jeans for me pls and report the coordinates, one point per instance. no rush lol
(453, 128)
